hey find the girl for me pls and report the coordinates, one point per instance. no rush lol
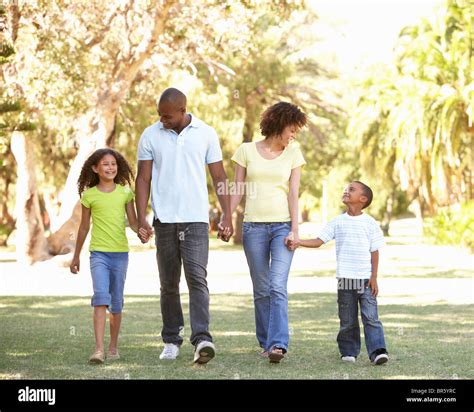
(106, 199)
(272, 169)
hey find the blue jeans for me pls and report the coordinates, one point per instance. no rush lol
(349, 297)
(269, 262)
(187, 245)
(108, 270)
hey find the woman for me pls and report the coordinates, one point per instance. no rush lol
(270, 172)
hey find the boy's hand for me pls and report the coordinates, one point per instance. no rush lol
(373, 285)
(75, 265)
(292, 241)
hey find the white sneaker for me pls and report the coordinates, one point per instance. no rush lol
(380, 359)
(170, 352)
(204, 352)
(350, 359)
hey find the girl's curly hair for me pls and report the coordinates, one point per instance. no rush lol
(280, 115)
(89, 178)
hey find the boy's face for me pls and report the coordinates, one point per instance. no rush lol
(353, 195)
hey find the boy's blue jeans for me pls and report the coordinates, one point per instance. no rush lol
(349, 297)
(269, 262)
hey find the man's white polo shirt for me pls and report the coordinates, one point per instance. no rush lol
(179, 186)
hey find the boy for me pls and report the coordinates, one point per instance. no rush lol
(358, 238)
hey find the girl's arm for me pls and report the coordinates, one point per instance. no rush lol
(311, 242)
(293, 195)
(81, 237)
(132, 216)
(239, 179)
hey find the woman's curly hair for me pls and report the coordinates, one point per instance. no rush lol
(280, 115)
(89, 178)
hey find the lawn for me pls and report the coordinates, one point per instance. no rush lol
(52, 337)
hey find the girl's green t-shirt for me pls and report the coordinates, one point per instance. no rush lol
(108, 218)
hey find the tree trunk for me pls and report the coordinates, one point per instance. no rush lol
(31, 245)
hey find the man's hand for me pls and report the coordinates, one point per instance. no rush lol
(226, 229)
(145, 232)
(373, 285)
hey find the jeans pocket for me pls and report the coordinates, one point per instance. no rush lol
(246, 227)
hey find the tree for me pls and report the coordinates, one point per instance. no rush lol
(415, 121)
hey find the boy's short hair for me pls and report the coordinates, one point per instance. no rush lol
(367, 191)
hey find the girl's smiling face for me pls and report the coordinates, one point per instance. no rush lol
(106, 168)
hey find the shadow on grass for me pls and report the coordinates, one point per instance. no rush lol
(52, 337)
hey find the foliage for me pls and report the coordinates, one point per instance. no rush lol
(452, 226)
(414, 120)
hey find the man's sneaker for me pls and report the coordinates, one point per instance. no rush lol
(204, 352)
(170, 352)
(380, 359)
(350, 359)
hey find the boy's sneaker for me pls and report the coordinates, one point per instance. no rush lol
(380, 356)
(350, 359)
(204, 352)
(380, 359)
(170, 352)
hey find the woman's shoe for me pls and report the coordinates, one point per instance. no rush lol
(97, 357)
(275, 355)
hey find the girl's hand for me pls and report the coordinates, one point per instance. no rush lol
(75, 265)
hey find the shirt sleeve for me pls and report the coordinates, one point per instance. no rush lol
(214, 153)
(240, 156)
(85, 200)
(129, 192)
(298, 159)
(376, 237)
(327, 234)
(144, 151)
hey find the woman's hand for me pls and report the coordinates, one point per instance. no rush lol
(292, 241)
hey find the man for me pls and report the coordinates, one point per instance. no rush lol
(172, 155)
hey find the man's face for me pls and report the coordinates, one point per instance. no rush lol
(170, 115)
(353, 194)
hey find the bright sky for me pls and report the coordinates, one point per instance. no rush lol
(358, 32)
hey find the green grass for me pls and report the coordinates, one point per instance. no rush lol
(52, 337)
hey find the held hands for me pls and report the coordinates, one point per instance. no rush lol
(226, 230)
(292, 241)
(145, 232)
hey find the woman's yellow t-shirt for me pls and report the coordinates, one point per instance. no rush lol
(267, 182)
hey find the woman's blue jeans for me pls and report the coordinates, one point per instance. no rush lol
(269, 261)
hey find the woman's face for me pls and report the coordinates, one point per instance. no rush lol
(288, 135)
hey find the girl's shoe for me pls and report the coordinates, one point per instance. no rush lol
(275, 355)
(113, 356)
(97, 357)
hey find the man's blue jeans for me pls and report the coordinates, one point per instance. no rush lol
(269, 261)
(187, 245)
(349, 297)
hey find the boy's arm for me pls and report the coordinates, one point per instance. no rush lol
(81, 237)
(293, 244)
(375, 267)
(132, 216)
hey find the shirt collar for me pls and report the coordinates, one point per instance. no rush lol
(195, 122)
